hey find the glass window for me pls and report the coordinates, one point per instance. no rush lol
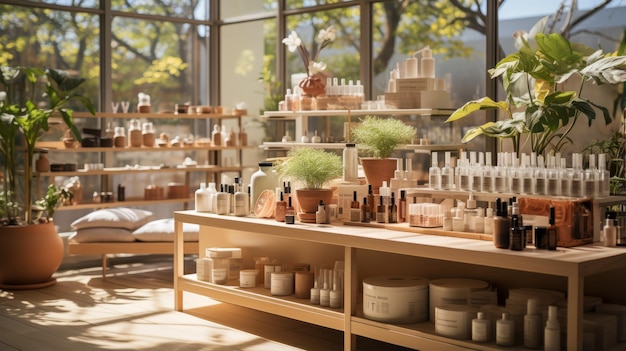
(84, 3)
(297, 4)
(192, 9)
(234, 8)
(62, 39)
(156, 58)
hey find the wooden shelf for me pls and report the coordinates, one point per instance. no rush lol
(573, 264)
(126, 203)
(155, 115)
(57, 146)
(332, 113)
(141, 169)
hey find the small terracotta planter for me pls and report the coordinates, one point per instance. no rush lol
(309, 199)
(378, 170)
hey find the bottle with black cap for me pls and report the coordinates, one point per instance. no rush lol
(501, 225)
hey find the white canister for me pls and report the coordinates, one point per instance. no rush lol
(268, 270)
(281, 283)
(395, 299)
(455, 321)
(247, 278)
(453, 292)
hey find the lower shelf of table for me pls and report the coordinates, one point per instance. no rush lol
(259, 298)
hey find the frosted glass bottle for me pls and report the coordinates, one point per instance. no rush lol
(135, 137)
(350, 163)
(263, 179)
(604, 177)
(211, 191)
(552, 331)
(447, 174)
(434, 173)
(532, 326)
(202, 205)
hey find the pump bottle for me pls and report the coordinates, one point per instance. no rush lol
(552, 331)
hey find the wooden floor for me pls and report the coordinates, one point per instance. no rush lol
(133, 310)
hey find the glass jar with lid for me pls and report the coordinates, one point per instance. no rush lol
(147, 133)
(119, 137)
(135, 137)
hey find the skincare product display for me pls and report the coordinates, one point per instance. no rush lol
(395, 299)
(425, 215)
(524, 175)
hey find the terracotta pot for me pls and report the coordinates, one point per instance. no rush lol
(378, 170)
(309, 199)
(29, 255)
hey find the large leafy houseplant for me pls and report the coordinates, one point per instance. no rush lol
(31, 96)
(539, 102)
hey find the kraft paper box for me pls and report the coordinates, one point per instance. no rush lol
(574, 218)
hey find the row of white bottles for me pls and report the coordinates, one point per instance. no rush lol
(231, 199)
(336, 87)
(529, 174)
(532, 329)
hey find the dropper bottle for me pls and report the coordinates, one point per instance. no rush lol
(604, 177)
(590, 176)
(488, 174)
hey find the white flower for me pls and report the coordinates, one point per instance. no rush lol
(328, 34)
(292, 41)
(3, 95)
(316, 67)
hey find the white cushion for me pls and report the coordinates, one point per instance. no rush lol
(126, 218)
(163, 230)
(102, 234)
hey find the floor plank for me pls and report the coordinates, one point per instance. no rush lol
(132, 309)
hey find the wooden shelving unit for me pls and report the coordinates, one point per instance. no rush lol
(571, 264)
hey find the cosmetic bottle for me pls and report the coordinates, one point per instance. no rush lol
(385, 192)
(505, 331)
(488, 221)
(501, 226)
(515, 177)
(242, 137)
(381, 211)
(316, 138)
(500, 183)
(371, 203)
(402, 207)
(350, 163)
(320, 215)
(315, 290)
(457, 220)
(336, 294)
(393, 210)
(434, 173)
(242, 200)
(281, 208)
(355, 209)
(221, 205)
(488, 174)
(528, 176)
(135, 138)
(609, 232)
(290, 213)
(604, 177)
(365, 211)
(540, 175)
(481, 328)
(447, 220)
(565, 176)
(427, 64)
(231, 199)
(469, 215)
(263, 179)
(552, 232)
(479, 221)
(516, 241)
(325, 290)
(590, 179)
(532, 326)
(462, 173)
(447, 174)
(216, 136)
(476, 173)
(201, 200)
(553, 187)
(552, 331)
(577, 176)
(541, 237)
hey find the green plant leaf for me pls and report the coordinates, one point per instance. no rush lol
(560, 97)
(477, 105)
(607, 70)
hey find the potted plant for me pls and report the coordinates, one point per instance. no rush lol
(539, 101)
(31, 97)
(380, 137)
(310, 169)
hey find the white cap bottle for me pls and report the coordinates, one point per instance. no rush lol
(552, 331)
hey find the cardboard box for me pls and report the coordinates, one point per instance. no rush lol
(574, 218)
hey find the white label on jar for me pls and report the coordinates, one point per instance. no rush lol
(281, 283)
(219, 275)
(247, 279)
(453, 324)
